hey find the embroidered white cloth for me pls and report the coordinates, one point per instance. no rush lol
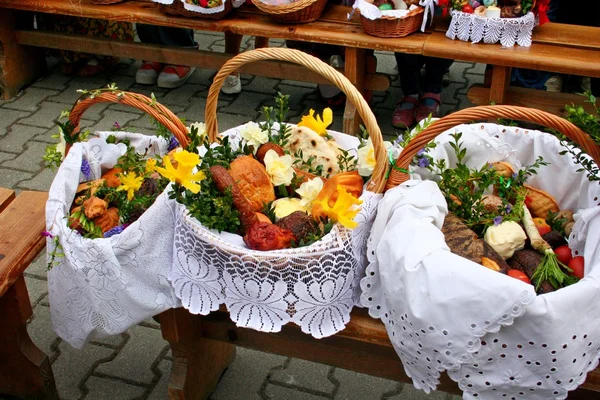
(506, 31)
(101, 287)
(315, 287)
(492, 334)
(202, 10)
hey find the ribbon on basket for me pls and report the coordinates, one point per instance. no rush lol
(429, 6)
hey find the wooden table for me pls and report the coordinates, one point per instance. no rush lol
(24, 369)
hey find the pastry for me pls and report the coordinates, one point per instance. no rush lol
(223, 181)
(254, 182)
(108, 220)
(94, 207)
(325, 152)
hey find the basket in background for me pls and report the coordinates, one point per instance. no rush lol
(298, 12)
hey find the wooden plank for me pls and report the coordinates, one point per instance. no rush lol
(179, 56)
(553, 102)
(500, 84)
(19, 66)
(331, 29)
(6, 196)
(21, 225)
(541, 56)
(567, 35)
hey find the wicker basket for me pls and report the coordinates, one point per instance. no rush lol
(103, 2)
(390, 27)
(298, 12)
(177, 8)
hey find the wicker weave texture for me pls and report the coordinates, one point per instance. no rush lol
(177, 8)
(293, 13)
(389, 27)
(484, 113)
(106, 1)
(378, 178)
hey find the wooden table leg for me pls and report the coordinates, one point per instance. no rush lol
(500, 84)
(260, 42)
(355, 69)
(233, 41)
(24, 369)
(198, 363)
(19, 65)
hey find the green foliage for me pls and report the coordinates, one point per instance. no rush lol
(88, 228)
(526, 5)
(278, 115)
(556, 222)
(323, 228)
(346, 161)
(307, 165)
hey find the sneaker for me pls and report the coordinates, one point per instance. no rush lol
(429, 104)
(147, 74)
(404, 115)
(174, 76)
(232, 85)
(554, 83)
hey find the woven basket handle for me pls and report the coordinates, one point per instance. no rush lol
(161, 113)
(378, 178)
(488, 112)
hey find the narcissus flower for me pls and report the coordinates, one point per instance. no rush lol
(317, 124)
(280, 169)
(309, 191)
(130, 182)
(253, 135)
(150, 165)
(287, 205)
(344, 210)
(183, 174)
(366, 157)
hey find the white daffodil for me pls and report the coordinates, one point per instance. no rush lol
(366, 157)
(201, 126)
(61, 147)
(253, 135)
(280, 169)
(309, 191)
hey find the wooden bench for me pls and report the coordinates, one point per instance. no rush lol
(556, 48)
(24, 369)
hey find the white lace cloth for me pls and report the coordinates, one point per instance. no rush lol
(315, 287)
(202, 10)
(507, 31)
(101, 287)
(492, 334)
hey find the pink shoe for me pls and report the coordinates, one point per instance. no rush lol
(147, 74)
(404, 117)
(423, 111)
(174, 76)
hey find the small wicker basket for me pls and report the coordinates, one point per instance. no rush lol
(298, 12)
(391, 27)
(177, 8)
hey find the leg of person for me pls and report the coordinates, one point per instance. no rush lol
(170, 76)
(431, 100)
(409, 70)
(114, 30)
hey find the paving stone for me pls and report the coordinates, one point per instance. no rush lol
(297, 96)
(449, 93)
(247, 103)
(410, 393)
(9, 117)
(246, 374)
(277, 392)
(38, 267)
(477, 68)
(41, 332)
(18, 135)
(386, 63)
(37, 289)
(102, 389)
(56, 81)
(71, 94)
(41, 181)
(30, 159)
(353, 385)
(457, 70)
(136, 357)
(30, 99)
(160, 390)
(261, 84)
(46, 116)
(9, 178)
(110, 117)
(202, 76)
(182, 95)
(304, 374)
(227, 121)
(114, 341)
(74, 366)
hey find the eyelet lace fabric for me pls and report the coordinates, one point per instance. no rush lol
(314, 287)
(202, 10)
(490, 332)
(507, 31)
(101, 287)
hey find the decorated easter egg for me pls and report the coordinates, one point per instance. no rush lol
(385, 7)
(489, 3)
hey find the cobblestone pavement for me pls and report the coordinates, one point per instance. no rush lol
(136, 364)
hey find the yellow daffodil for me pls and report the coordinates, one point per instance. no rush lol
(150, 165)
(253, 135)
(309, 191)
(183, 174)
(344, 209)
(280, 169)
(317, 124)
(287, 205)
(130, 182)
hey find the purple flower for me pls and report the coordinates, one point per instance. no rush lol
(117, 125)
(115, 231)
(421, 152)
(173, 143)
(514, 175)
(85, 169)
(498, 220)
(399, 140)
(423, 162)
(508, 208)
(47, 234)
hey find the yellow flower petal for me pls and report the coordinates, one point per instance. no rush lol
(344, 209)
(318, 124)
